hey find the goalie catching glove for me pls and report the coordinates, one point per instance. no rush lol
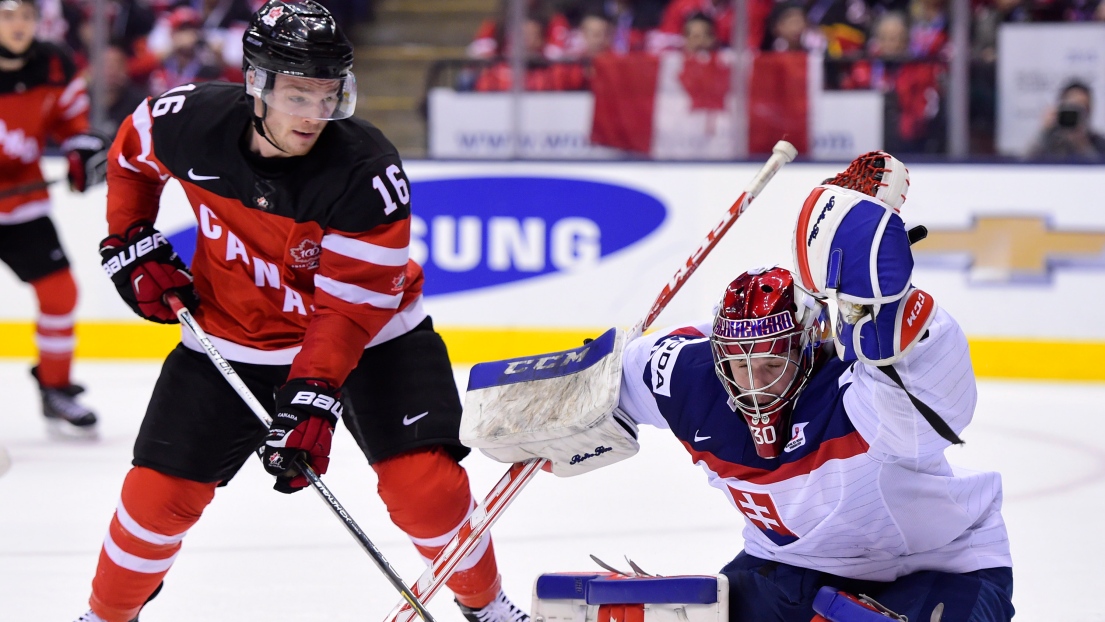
(850, 242)
(144, 268)
(303, 428)
(560, 406)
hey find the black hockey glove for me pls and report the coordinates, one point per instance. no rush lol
(144, 268)
(87, 155)
(306, 412)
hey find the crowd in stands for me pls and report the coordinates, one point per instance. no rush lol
(156, 45)
(899, 47)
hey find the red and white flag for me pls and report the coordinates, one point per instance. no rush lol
(679, 106)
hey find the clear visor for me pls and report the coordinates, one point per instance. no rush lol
(309, 98)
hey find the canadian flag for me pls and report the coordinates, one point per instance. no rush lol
(678, 106)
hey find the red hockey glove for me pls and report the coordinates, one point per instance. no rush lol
(144, 268)
(87, 155)
(306, 412)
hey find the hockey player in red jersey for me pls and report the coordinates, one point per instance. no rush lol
(302, 279)
(42, 98)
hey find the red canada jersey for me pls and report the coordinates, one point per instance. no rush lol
(300, 261)
(42, 101)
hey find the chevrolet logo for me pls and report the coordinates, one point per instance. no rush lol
(1015, 248)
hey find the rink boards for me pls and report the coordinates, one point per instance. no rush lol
(532, 257)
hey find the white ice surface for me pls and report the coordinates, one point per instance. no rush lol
(259, 555)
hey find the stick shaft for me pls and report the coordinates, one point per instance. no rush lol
(25, 188)
(232, 377)
(520, 474)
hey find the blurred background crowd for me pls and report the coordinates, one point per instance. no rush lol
(151, 46)
(901, 48)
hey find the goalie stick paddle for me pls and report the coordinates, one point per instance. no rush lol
(185, 317)
(516, 478)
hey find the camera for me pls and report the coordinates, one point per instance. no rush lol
(1069, 116)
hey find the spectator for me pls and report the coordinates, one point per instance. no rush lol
(540, 75)
(1067, 134)
(986, 23)
(788, 31)
(699, 35)
(121, 94)
(222, 22)
(594, 36)
(130, 23)
(491, 39)
(928, 34)
(190, 59)
(631, 21)
(891, 37)
(914, 119)
(669, 35)
(591, 39)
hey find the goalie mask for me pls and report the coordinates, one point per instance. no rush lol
(300, 40)
(766, 335)
(877, 174)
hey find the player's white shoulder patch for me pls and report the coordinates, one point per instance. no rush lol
(662, 361)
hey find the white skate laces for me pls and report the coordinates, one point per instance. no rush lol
(498, 610)
(90, 617)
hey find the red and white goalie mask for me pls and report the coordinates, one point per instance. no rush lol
(766, 335)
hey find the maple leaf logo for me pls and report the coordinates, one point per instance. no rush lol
(706, 81)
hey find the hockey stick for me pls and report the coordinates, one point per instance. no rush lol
(185, 317)
(520, 474)
(29, 187)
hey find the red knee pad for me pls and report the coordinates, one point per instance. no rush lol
(426, 491)
(163, 503)
(56, 292)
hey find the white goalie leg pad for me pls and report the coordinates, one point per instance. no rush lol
(561, 406)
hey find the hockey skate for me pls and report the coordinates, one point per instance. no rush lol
(91, 616)
(65, 417)
(498, 610)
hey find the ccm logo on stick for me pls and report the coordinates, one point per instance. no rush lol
(318, 400)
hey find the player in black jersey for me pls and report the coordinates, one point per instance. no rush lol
(303, 280)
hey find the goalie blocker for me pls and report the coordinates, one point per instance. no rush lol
(561, 406)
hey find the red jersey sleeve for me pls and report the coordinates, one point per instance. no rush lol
(135, 177)
(363, 279)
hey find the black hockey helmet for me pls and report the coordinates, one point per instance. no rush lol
(299, 38)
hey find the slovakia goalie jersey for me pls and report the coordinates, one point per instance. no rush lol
(862, 488)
